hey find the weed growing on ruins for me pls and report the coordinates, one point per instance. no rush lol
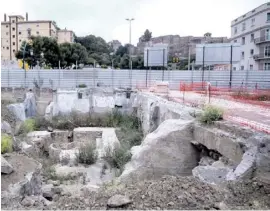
(118, 157)
(29, 125)
(50, 174)
(6, 143)
(211, 114)
(87, 154)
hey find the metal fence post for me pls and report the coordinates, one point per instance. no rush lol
(112, 78)
(8, 77)
(231, 67)
(58, 78)
(146, 73)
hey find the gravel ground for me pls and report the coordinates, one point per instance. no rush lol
(176, 193)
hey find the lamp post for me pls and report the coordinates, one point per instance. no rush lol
(129, 20)
(130, 62)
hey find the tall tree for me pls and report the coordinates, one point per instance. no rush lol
(207, 34)
(147, 36)
(95, 46)
(122, 50)
(45, 49)
(72, 52)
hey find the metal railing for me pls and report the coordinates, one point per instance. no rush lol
(262, 39)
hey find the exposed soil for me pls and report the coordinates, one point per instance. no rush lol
(22, 165)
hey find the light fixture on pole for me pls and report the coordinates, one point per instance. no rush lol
(129, 20)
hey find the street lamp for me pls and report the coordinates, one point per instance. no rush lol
(129, 20)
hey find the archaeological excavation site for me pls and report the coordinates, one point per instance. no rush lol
(103, 148)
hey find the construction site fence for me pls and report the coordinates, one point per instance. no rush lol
(141, 79)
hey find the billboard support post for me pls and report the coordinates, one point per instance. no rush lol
(231, 67)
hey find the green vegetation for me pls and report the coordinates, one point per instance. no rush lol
(87, 154)
(50, 174)
(211, 114)
(28, 126)
(82, 86)
(128, 131)
(6, 143)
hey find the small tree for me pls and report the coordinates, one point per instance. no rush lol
(147, 36)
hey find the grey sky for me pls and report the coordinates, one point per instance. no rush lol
(106, 18)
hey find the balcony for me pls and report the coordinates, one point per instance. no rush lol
(257, 57)
(262, 39)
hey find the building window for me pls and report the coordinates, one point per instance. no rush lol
(13, 29)
(20, 40)
(268, 16)
(251, 52)
(242, 67)
(266, 66)
(267, 51)
(6, 33)
(243, 40)
(37, 32)
(243, 26)
(251, 37)
(6, 26)
(234, 68)
(251, 67)
(3, 47)
(252, 21)
(37, 25)
(7, 40)
(13, 50)
(20, 32)
(242, 54)
(7, 47)
(235, 41)
(13, 36)
(13, 21)
(235, 30)
(13, 43)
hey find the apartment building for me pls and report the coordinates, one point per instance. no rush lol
(65, 35)
(252, 31)
(180, 46)
(17, 29)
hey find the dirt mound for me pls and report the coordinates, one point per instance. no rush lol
(176, 193)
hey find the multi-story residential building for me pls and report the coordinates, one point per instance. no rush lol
(17, 29)
(65, 35)
(252, 31)
(180, 46)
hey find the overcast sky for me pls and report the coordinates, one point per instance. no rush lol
(106, 18)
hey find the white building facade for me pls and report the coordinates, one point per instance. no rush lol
(252, 31)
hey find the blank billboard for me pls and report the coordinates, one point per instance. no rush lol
(157, 56)
(217, 53)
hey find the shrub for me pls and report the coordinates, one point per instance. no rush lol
(82, 86)
(87, 154)
(118, 157)
(29, 125)
(6, 143)
(211, 114)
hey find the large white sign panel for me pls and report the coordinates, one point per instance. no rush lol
(218, 53)
(156, 56)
